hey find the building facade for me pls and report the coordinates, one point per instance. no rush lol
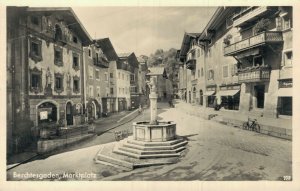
(96, 80)
(247, 61)
(45, 70)
(142, 85)
(109, 98)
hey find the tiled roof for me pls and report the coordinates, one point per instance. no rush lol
(107, 49)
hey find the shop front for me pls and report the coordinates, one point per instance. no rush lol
(230, 96)
(285, 98)
(210, 95)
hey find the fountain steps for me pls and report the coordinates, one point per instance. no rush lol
(150, 148)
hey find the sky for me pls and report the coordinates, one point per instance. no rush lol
(143, 29)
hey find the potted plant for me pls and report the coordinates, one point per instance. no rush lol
(261, 26)
(226, 40)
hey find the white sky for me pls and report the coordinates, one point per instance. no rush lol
(143, 29)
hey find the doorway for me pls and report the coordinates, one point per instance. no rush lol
(260, 96)
(69, 113)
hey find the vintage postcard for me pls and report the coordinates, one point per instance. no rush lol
(198, 96)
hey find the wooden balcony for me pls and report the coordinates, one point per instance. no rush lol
(261, 39)
(249, 14)
(254, 74)
(101, 63)
(191, 64)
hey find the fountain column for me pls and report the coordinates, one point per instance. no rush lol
(153, 102)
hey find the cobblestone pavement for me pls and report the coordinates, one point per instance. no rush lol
(214, 152)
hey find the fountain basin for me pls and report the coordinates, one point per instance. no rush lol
(162, 131)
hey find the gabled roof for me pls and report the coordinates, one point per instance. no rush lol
(107, 48)
(153, 71)
(70, 18)
(185, 46)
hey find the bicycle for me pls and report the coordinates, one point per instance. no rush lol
(252, 125)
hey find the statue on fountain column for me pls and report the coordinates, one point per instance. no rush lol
(152, 85)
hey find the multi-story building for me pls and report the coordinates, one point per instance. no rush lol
(248, 60)
(44, 61)
(142, 86)
(96, 79)
(133, 68)
(192, 54)
(109, 93)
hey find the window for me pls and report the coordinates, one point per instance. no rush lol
(98, 91)
(225, 71)
(58, 33)
(284, 22)
(111, 75)
(35, 81)
(258, 60)
(75, 40)
(35, 50)
(76, 84)
(75, 62)
(59, 79)
(288, 57)
(210, 75)
(111, 90)
(131, 77)
(35, 20)
(234, 70)
(90, 54)
(91, 91)
(58, 56)
(91, 71)
(97, 74)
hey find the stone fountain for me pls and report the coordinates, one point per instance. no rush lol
(153, 142)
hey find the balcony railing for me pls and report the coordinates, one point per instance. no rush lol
(191, 64)
(101, 63)
(253, 41)
(254, 74)
(249, 14)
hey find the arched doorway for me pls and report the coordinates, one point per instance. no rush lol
(69, 113)
(201, 97)
(93, 109)
(47, 112)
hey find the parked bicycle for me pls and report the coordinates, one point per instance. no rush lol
(251, 125)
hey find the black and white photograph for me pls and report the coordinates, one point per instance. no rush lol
(190, 93)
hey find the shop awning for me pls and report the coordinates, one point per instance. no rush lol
(228, 92)
(209, 93)
(285, 92)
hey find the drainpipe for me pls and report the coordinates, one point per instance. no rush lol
(84, 85)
